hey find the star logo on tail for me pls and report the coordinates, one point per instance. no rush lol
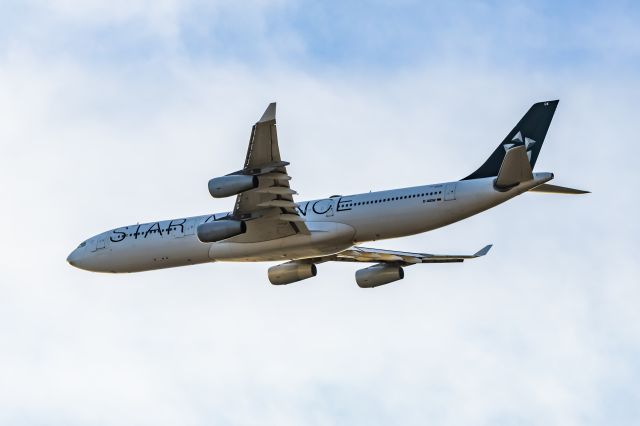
(518, 139)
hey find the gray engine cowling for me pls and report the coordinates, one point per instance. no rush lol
(226, 186)
(378, 275)
(291, 272)
(220, 230)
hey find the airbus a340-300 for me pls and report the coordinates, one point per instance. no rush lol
(266, 224)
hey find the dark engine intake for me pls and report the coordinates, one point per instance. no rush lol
(226, 186)
(220, 230)
(377, 275)
(291, 272)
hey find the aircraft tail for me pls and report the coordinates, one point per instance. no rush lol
(529, 133)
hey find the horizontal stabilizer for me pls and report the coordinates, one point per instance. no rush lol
(555, 189)
(515, 168)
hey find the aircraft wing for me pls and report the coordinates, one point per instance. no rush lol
(373, 255)
(269, 209)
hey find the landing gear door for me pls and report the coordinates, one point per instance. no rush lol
(450, 191)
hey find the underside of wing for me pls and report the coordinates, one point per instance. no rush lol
(373, 255)
(268, 209)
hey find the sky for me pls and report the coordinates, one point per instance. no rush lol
(117, 112)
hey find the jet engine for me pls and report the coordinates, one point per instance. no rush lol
(226, 186)
(378, 275)
(291, 272)
(220, 230)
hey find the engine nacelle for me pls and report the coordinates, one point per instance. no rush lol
(377, 275)
(220, 230)
(291, 272)
(226, 186)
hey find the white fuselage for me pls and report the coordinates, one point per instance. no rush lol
(335, 224)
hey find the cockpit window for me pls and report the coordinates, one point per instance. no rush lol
(82, 244)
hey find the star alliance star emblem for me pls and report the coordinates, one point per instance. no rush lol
(518, 140)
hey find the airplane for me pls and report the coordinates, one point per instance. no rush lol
(267, 225)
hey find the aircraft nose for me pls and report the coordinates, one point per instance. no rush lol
(73, 258)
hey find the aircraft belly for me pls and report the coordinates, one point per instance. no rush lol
(325, 238)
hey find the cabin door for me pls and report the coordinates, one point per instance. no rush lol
(189, 227)
(450, 191)
(101, 243)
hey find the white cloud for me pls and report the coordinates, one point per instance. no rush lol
(543, 330)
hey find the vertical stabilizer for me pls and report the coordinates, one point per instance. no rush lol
(529, 132)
